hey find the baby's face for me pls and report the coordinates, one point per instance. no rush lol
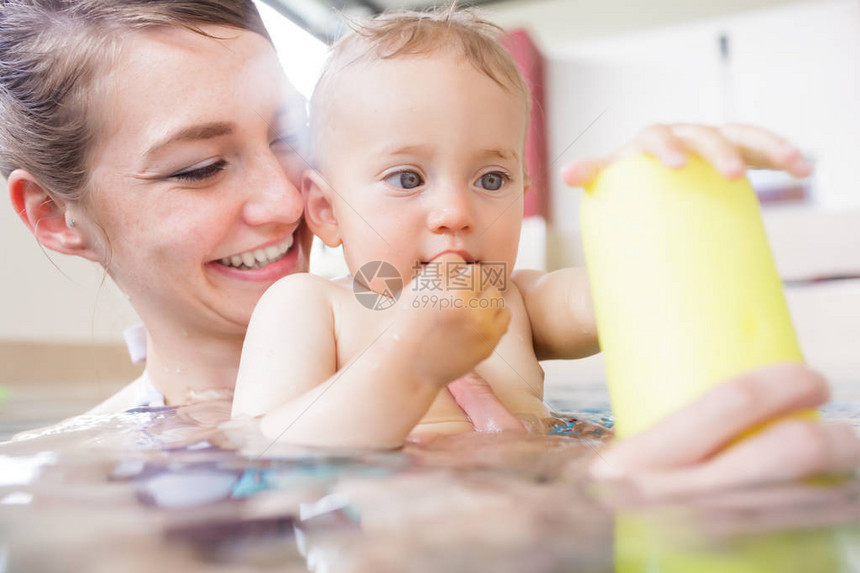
(425, 155)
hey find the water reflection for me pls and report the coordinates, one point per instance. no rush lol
(171, 489)
(791, 529)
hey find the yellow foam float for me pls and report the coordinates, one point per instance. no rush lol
(684, 285)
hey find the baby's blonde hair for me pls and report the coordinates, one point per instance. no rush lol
(414, 34)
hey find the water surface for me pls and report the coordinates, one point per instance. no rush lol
(164, 489)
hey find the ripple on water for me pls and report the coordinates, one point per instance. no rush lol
(173, 489)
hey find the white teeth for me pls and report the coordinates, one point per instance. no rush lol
(261, 257)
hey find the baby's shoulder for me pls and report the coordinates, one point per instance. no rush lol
(297, 281)
(302, 289)
(525, 279)
(542, 285)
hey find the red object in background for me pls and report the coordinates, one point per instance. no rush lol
(531, 65)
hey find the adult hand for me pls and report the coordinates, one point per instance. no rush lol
(697, 448)
(486, 412)
(730, 149)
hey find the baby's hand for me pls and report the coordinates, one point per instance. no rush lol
(459, 322)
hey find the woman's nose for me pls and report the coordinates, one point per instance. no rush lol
(451, 211)
(273, 197)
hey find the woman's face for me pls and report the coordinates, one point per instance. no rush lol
(194, 176)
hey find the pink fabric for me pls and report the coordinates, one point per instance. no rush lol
(531, 65)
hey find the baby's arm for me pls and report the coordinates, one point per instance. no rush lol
(561, 312)
(289, 347)
(288, 372)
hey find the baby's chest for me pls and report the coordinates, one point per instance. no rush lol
(357, 328)
(512, 369)
(514, 374)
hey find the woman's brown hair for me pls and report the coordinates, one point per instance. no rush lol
(52, 54)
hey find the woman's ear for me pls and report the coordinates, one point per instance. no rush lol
(527, 181)
(319, 211)
(55, 224)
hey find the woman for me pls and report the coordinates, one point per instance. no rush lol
(160, 139)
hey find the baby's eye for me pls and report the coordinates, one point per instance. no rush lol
(200, 173)
(405, 180)
(492, 181)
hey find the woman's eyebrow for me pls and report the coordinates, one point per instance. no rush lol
(193, 132)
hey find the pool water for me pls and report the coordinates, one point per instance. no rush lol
(169, 489)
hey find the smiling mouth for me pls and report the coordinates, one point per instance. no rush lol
(259, 258)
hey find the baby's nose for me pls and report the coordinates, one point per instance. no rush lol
(451, 212)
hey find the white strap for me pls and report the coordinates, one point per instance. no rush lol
(147, 394)
(135, 341)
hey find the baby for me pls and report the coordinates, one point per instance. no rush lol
(419, 127)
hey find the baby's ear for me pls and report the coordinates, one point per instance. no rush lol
(319, 211)
(59, 226)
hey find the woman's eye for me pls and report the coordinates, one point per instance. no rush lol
(290, 142)
(492, 181)
(201, 173)
(405, 180)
